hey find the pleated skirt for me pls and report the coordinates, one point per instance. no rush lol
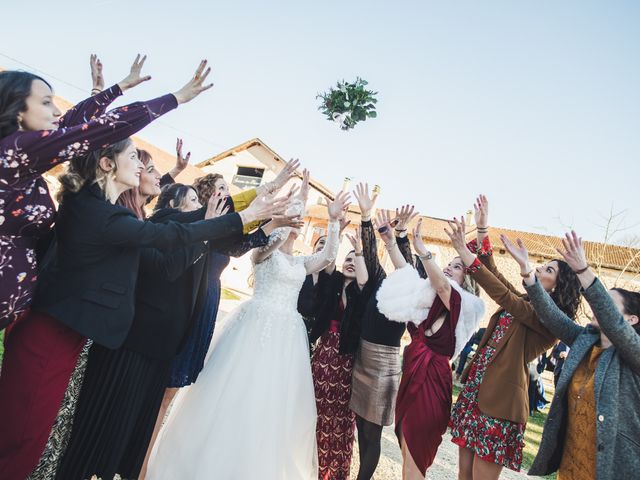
(115, 416)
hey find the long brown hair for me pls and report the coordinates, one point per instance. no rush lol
(131, 198)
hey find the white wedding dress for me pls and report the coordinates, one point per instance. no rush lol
(252, 412)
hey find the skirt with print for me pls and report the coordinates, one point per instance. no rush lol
(336, 422)
(491, 439)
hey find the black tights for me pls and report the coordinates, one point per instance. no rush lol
(369, 439)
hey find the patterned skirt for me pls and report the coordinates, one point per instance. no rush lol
(492, 439)
(336, 422)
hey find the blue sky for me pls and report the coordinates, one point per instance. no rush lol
(536, 104)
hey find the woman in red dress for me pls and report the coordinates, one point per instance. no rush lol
(442, 314)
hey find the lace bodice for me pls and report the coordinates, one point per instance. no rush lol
(278, 280)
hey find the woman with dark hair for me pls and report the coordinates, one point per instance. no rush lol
(377, 367)
(87, 289)
(593, 427)
(34, 138)
(441, 312)
(489, 418)
(336, 329)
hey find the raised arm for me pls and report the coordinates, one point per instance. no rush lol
(328, 254)
(123, 228)
(521, 310)
(383, 225)
(611, 321)
(367, 202)
(362, 276)
(28, 154)
(100, 99)
(548, 312)
(438, 280)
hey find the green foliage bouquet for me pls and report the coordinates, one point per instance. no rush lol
(349, 103)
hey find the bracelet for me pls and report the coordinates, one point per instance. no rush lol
(359, 254)
(401, 230)
(95, 91)
(582, 270)
(482, 229)
(526, 275)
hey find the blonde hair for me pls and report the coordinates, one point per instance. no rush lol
(86, 170)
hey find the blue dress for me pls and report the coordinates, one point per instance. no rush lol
(188, 364)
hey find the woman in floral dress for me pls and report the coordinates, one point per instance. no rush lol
(489, 418)
(34, 138)
(40, 351)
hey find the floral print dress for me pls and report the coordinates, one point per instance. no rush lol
(26, 208)
(492, 439)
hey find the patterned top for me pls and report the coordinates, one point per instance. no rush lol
(26, 208)
(579, 455)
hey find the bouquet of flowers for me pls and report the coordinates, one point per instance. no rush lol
(349, 103)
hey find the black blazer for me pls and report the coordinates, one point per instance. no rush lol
(167, 306)
(89, 284)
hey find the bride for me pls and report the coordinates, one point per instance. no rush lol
(252, 412)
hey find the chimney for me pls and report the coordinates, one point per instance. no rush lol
(469, 219)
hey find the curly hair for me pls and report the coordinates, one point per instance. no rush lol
(85, 170)
(566, 294)
(131, 198)
(15, 88)
(631, 304)
(205, 186)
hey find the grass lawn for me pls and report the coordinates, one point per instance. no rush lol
(532, 435)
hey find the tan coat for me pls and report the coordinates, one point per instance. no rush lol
(504, 389)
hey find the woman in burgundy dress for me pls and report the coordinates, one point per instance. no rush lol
(332, 363)
(40, 351)
(34, 138)
(442, 314)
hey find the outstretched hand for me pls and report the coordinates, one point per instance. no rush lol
(181, 160)
(196, 85)
(356, 241)
(382, 224)
(481, 211)
(135, 77)
(573, 252)
(404, 216)
(216, 207)
(303, 195)
(287, 173)
(366, 201)
(519, 252)
(418, 244)
(97, 78)
(456, 232)
(338, 206)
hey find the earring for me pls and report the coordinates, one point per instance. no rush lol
(20, 128)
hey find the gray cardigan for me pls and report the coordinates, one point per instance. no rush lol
(617, 385)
